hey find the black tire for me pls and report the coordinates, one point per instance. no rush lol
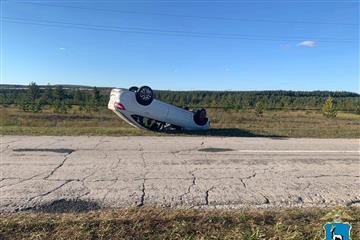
(144, 95)
(133, 89)
(200, 117)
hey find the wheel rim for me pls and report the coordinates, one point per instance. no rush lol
(145, 94)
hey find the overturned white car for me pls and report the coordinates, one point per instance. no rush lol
(138, 107)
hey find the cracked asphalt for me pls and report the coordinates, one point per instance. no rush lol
(50, 173)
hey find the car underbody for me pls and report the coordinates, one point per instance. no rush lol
(155, 125)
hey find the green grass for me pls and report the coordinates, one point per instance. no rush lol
(161, 223)
(224, 123)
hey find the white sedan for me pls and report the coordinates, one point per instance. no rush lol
(138, 107)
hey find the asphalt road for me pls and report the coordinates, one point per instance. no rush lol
(81, 173)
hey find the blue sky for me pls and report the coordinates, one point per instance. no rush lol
(183, 45)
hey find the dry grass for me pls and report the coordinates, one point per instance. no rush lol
(290, 123)
(160, 223)
(224, 123)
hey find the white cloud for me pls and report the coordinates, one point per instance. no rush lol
(307, 43)
(61, 49)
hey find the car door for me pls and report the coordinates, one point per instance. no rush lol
(157, 110)
(180, 117)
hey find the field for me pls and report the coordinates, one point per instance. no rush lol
(160, 223)
(224, 123)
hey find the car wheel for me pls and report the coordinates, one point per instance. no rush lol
(200, 117)
(144, 95)
(133, 89)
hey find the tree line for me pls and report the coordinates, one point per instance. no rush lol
(270, 100)
(34, 98)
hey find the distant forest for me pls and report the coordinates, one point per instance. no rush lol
(33, 97)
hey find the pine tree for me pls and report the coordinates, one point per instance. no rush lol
(59, 93)
(59, 103)
(78, 98)
(60, 107)
(259, 109)
(47, 97)
(95, 99)
(328, 109)
(31, 102)
(23, 103)
(33, 91)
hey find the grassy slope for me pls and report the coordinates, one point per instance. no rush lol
(224, 123)
(158, 223)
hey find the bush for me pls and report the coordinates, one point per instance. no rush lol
(357, 111)
(60, 107)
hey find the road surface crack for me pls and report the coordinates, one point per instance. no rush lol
(51, 191)
(59, 166)
(307, 186)
(143, 159)
(87, 191)
(352, 202)
(101, 141)
(193, 183)
(266, 201)
(109, 187)
(21, 180)
(242, 179)
(3, 149)
(207, 195)
(143, 193)
(243, 183)
(142, 153)
(116, 165)
(86, 177)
